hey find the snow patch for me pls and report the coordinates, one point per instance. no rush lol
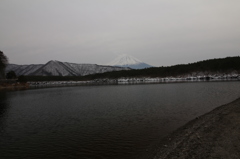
(125, 60)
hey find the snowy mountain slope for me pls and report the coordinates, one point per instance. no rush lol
(86, 69)
(125, 60)
(128, 61)
(57, 68)
(54, 68)
(22, 69)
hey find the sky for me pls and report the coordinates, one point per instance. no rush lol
(158, 32)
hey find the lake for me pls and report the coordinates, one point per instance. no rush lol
(103, 121)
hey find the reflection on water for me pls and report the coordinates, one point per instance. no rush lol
(108, 121)
(3, 104)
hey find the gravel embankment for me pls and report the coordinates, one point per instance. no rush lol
(213, 135)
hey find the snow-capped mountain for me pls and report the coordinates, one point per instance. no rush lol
(128, 61)
(23, 69)
(57, 68)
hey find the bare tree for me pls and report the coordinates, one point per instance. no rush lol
(3, 64)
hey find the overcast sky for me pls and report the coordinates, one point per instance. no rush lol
(158, 32)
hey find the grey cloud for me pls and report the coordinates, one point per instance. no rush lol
(158, 32)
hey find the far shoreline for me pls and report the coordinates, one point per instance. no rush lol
(55, 84)
(14, 86)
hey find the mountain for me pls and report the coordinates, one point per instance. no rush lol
(129, 61)
(23, 69)
(221, 67)
(57, 68)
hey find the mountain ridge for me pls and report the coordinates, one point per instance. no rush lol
(58, 68)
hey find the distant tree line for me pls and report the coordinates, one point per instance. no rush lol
(213, 65)
(52, 78)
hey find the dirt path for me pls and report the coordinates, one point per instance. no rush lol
(213, 135)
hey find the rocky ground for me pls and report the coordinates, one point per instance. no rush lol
(215, 135)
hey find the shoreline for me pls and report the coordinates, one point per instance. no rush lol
(213, 135)
(72, 83)
(53, 84)
(14, 86)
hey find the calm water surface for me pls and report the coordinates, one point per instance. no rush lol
(102, 122)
